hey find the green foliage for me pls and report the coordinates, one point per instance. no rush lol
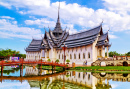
(128, 54)
(114, 53)
(67, 60)
(9, 52)
(114, 68)
(21, 55)
(49, 60)
(57, 60)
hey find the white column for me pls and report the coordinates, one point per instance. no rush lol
(103, 51)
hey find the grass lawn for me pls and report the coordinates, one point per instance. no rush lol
(107, 68)
(50, 67)
(120, 72)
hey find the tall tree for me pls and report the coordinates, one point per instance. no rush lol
(128, 54)
(114, 53)
(9, 52)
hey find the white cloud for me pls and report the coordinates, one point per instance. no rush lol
(10, 29)
(43, 22)
(6, 17)
(25, 40)
(5, 5)
(22, 12)
(118, 5)
(75, 14)
(14, 22)
(112, 36)
(33, 17)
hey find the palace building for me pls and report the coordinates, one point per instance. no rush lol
(84, 46)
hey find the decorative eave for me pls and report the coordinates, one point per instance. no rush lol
(83, 38)
(102, 40)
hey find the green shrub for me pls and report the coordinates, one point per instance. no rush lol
(49, 60)
(57, 60)
(67, 60)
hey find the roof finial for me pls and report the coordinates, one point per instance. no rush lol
(108, 29)
(69, 29)
(58, 12)
(102, 21)
(41, 35)
(65, 27)
(58, 28)
(44, 28)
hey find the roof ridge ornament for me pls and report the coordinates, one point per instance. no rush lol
(58, 30)
(108, 30)
(58, 19)
(41, 36)
(59, 12)
(69, 29)
(65, 27)
(102, 22)
(45, 29)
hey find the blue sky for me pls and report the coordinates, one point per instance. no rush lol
(22, 20)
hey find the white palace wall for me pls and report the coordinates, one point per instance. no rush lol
(52, 54)
(94, 50)
(79, 52)
(76, 55)
(33, 55)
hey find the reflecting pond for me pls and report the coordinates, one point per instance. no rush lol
(34, 78)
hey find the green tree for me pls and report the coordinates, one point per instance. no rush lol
(128, 54)
(57, 60)
(6, 53)
(114, 53)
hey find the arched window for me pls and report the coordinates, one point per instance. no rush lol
(79, 75)
(88, 76)
(59, 56)
(84, 75)
(70, 56)
(88, 54)
(79, 55)
(83, 55)
(74, 56)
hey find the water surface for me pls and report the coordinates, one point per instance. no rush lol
(34, 78)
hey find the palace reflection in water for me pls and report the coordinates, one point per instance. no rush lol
(43, 79)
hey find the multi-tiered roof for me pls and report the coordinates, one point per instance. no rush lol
(57, 37)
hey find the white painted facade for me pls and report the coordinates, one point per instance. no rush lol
(76, 55)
